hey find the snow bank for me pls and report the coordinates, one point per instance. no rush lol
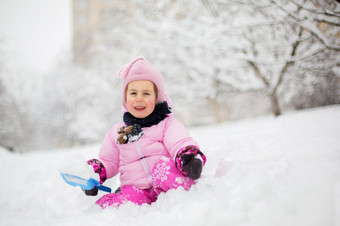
(265, 171)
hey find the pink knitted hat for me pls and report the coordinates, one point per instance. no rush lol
(140, 69)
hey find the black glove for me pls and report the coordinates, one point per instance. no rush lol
(192, 166)
(188, 161)
(92, 192)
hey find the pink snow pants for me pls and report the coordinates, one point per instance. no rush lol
(165, 176)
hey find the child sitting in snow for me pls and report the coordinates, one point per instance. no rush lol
(151, 149)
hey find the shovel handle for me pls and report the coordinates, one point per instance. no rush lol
(103, 188)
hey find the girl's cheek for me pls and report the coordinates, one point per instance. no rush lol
(151, 102)
(129, 101)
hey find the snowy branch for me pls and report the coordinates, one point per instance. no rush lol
(309, 26)
(314, 11)
(318, 35)
(258, 74)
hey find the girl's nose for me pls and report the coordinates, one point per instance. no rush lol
(139, 98)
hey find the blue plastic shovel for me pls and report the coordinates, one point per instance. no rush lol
(83, 183)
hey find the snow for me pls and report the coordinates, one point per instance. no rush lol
(264, 171)
(35, 33)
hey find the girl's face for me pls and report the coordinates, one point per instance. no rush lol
(140, 98)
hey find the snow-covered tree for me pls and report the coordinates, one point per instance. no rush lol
(212, 53)
(12, 120)
(77, 105)
(286, 35)
(210, 48)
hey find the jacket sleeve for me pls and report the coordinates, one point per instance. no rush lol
(109, 153)
(176, 136)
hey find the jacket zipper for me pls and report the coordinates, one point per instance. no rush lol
(144, 163)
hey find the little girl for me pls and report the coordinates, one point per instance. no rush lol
(151, 149)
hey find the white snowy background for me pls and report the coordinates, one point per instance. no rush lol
(260, 172)
(222, 60)
(34, 33)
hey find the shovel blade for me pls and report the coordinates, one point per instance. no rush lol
(78, 181)
(83, 183)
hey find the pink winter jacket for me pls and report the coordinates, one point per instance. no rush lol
(134, 161)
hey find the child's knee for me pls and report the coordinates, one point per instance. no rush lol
(127, 194)
(135, 195)
(166, 176)
(111, 199)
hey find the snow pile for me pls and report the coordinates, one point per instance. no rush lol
(265, 171)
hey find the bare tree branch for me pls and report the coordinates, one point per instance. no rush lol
(318, 35)
(314, 11)
(327, 22)
(288, 63)
(258, 73)
(306, 24)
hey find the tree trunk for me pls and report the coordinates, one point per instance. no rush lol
(274, 101)
(217, 110)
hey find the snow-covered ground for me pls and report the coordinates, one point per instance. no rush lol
(265, 171)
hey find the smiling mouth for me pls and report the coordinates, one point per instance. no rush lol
(139, 108)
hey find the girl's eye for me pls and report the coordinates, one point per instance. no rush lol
(146, 94)
(133, 93)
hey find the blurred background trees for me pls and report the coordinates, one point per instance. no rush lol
(221, 59)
